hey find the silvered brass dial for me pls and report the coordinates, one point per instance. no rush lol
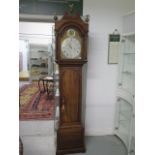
(71, 45)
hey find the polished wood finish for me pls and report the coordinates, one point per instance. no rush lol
(70, 140)
(70, 134)
(70, 91)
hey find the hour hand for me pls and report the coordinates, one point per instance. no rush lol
(70, 46)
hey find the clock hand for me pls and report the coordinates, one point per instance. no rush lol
(70, 46)
(70, 43)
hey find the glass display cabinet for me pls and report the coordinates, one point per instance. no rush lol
(127, 64)
(125, 111)
(39, 61)
(124, 127)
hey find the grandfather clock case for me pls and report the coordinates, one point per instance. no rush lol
(71, 55)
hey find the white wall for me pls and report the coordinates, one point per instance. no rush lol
(105, 16)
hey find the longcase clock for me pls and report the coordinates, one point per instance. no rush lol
(71, 55)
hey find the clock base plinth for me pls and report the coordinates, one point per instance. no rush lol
(70, 140)
(68, 151)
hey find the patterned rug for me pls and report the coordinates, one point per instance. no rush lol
(34, 105)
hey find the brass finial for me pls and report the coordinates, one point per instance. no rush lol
(71, 8)
(87, 18)
(55, 18)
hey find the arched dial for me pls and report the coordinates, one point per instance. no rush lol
(71, 45)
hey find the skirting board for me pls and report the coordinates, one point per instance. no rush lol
(104, 132)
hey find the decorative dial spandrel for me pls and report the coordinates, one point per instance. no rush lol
(71, 45)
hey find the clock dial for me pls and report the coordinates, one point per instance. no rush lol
(71, 48)
(71, 45)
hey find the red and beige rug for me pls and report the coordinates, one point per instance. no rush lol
(34, 105)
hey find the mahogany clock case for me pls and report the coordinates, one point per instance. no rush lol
(70, 134)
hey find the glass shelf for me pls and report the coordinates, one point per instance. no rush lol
(127, 53)
(39, 58)
(128, 72)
